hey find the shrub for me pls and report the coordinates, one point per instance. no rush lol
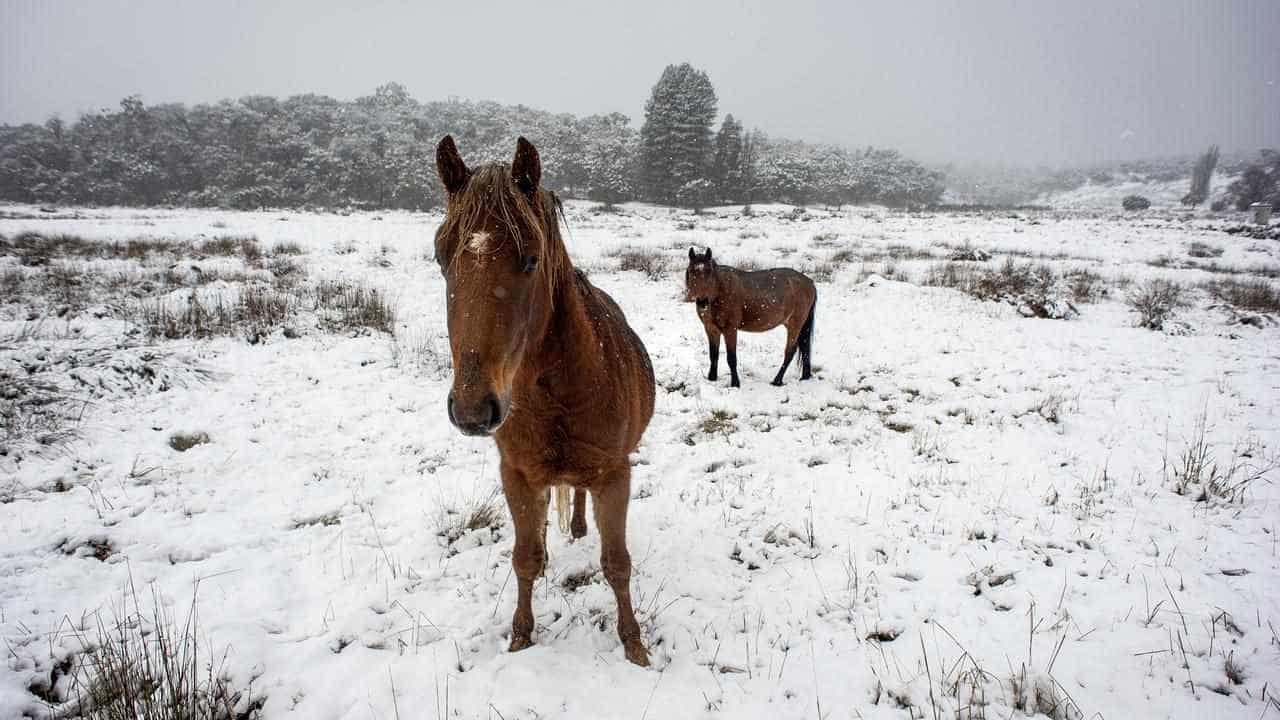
(1085, 285)
(1203, 250)
(1032, 289)
(1260, 182)
(1135, 202)
(1156, 301)
(1256, 294)
(643, 260)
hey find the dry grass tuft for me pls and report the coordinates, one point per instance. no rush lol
(454, 520)
(719, 422)
(1198, 474)
(146, 665)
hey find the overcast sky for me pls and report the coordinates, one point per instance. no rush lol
(1009, 81)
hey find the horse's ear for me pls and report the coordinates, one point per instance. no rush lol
(692, 255)
(526, 168)
(708, 257)
(453, 172)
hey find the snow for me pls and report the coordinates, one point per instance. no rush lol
(964, 506)
(1108, 196)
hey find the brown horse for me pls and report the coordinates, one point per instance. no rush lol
(545, 363)
(730, 300)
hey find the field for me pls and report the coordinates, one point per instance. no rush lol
(1007, 491)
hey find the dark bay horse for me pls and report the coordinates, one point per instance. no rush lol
(543, 362)
(730, 300)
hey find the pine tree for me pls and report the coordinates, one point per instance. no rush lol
(675, 141)
(727, 165)
(609, 153)
(1201, 174)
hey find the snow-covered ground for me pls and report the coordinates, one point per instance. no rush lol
(968, 509)
(1108, 196)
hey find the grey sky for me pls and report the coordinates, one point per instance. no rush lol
(1009, 81)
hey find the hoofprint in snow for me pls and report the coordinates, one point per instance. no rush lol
(966, 506)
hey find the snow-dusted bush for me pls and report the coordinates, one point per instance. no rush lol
(1135, 202)
(1156, 301)
(1035, 290)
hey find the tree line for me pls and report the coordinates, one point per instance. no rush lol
(377, 152)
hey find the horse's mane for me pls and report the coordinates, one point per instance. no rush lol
(491, 193)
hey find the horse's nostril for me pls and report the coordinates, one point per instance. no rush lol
(452, 419)
(495, 412)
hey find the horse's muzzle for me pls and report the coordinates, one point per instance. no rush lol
(479, 418)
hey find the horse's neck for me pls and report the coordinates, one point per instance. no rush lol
(569, 340)
(727, 282)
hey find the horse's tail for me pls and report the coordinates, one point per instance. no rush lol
(806, 333)
(564, 507)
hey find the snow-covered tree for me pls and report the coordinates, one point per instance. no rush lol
(726, 166)
(675, 141)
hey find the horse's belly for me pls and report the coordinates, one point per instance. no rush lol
(761, 324)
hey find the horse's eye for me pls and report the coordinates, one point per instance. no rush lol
(530, 262)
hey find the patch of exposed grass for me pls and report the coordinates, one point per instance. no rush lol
(245, 246)
(348, 306)
(288, 247)
(1257, 294)
(257, 311)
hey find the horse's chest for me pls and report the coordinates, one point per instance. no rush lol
(541, 447)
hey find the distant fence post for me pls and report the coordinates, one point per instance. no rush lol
(1261, 212)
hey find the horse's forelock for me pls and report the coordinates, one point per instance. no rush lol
(490, 193)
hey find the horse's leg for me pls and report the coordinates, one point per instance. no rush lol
(578, 526)
(731, 354)
(805, 344)
(713, 349)
(793, 336)
(529, 517)
(609, 501)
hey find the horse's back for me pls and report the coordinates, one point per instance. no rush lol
(787, 281)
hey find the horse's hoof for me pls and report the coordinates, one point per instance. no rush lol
(637, 654)
(576, 531)
(519, 643)
(806, 377)
(712, 377)
(776, 383)
(735, 383)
